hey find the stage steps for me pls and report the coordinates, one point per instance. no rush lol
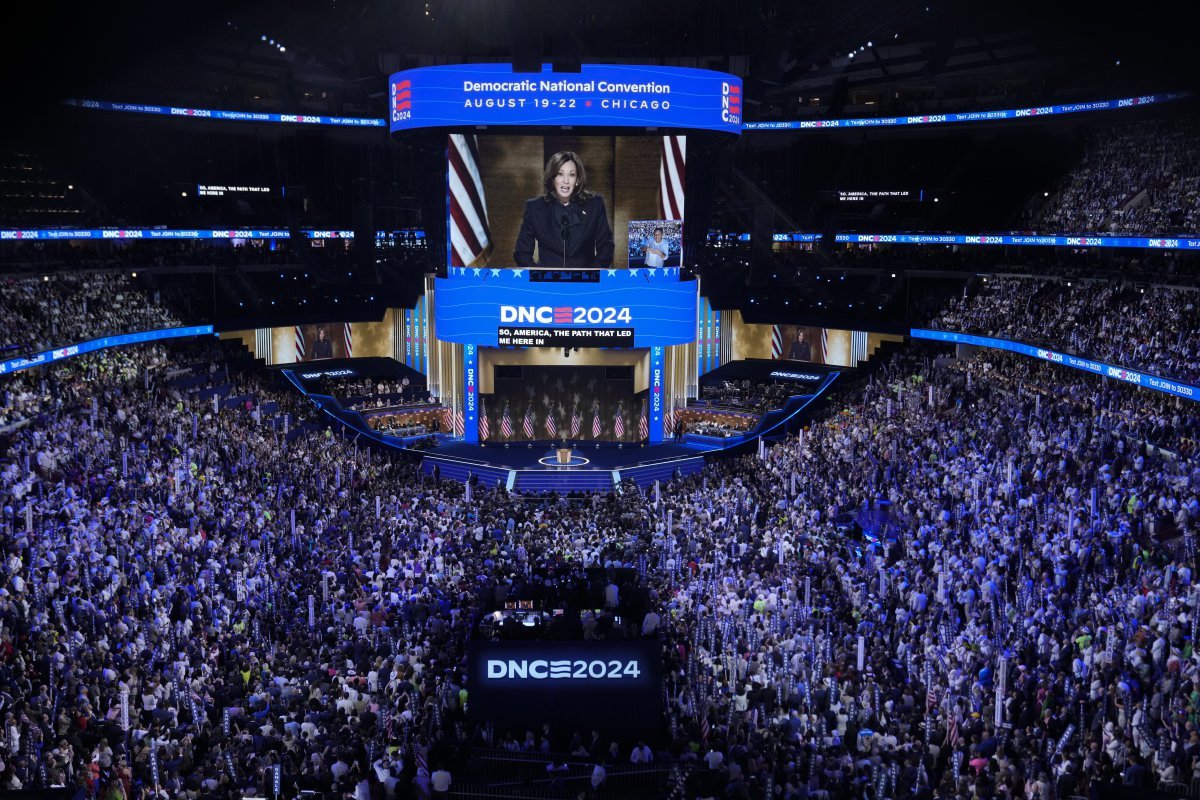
(646, 475)
(563, 481)
(453, 469)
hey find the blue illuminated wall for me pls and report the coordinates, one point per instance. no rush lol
(708, 338)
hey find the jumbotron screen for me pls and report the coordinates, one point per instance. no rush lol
(565, 201)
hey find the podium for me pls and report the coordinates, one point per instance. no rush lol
(564, 455)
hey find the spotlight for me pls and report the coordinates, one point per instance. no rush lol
(1045, 194)
(183, 194)
(70, 186)
(282, 49)
(870, 44)
(134, 275)
(264, 37)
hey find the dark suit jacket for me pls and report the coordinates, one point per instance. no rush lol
(590, 240)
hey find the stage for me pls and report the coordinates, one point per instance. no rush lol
(532, 467)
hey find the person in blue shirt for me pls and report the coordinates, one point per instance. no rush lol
(656, 249)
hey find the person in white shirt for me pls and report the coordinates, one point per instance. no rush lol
(656, 249)
(439, 781)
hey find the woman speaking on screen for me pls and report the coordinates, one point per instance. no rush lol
(569, 223)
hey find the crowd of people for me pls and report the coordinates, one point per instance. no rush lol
(39, 313)
(365, 393)
(746, 394)
(1151, 329)
(1140, 178)
(1029, 543)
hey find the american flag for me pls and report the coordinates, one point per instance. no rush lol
(671, 170)
(595, 420)
(551, 426)
(470, 238)
(299, 343)
(460, 426)
(824, 345)
(484, 429)
(704, 728)
(506, 424)
(669, 419)
(527, 425)
(576, 422)
(643, 423)
(349, 340)
(619, 424)
(776, 342)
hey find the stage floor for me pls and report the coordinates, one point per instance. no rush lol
(605, 457)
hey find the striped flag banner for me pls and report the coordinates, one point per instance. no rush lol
(619, 425)
(643, 423)
(551, 425)
(671, 172)
(669, 419)
(484, 428)
(349, 336)
(506, 428)
(576, 422)
(527, 425)
(824, 345)
(460, 425)
(776, 342)
(596, 422)
(470, 238)
(299, 343)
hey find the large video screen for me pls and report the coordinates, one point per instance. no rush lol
(505, 308)
(599, 95)
(610, 686)
(563, 201)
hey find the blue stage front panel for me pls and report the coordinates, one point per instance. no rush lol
(627, 308)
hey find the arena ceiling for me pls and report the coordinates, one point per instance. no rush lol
(796, 56)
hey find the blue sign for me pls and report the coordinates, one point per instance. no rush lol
(47, 234)
(1086, 364)
(470, 393)
(235, 116)
(68, 351)
(969, 116)
(657, 379)
(471, 306)
(607, 95)
(1056, 240)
